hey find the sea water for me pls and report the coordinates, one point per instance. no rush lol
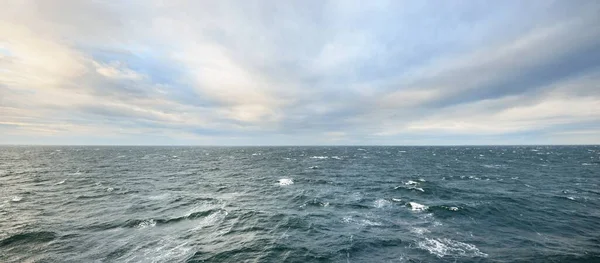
(300, 204)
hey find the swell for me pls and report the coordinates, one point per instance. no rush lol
(138, 223)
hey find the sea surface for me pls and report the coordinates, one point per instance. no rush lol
(300, 204)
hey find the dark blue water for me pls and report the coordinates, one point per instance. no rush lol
(300, 204)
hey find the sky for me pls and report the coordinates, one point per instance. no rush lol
(310, 72)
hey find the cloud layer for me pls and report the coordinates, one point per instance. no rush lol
(299, 72)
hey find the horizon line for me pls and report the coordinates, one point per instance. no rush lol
(290, 145)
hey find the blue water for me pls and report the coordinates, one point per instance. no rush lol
(300, 204)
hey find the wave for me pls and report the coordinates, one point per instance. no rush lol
(360, 221)
(29, 237)
(442, 247)
(286, 181)
(143, 223)
(146, 223)
(166, 249)
(494, 166)
(417, 207)
(411, 182)
(380, 203)
(411, 188)
(419, 230)
(585, 257)
(82, 197)
(314, 203)
(445, 208)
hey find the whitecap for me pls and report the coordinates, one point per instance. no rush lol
(493, 166)
(410, 188)
(379, 203)
(396, 199)
(411, 182)
(110, 189)
(571, 198)
(16, 199)
(319, 157)
(313, 167)
(417, 207)
(447, 247)
(356, 196)
(336, 157)
(347, 219)
(286, 181)
(360, 222)
(366, 222)
(146, 223)
(419, 230)
(61, 182)
(453, 208)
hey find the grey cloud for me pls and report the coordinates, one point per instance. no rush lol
(312, 67)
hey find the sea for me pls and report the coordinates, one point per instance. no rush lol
(300, 204)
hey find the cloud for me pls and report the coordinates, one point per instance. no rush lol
(117, 70)
(300, 72)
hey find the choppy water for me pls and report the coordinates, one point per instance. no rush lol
(300, 204)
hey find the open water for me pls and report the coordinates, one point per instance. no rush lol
(300, 204)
